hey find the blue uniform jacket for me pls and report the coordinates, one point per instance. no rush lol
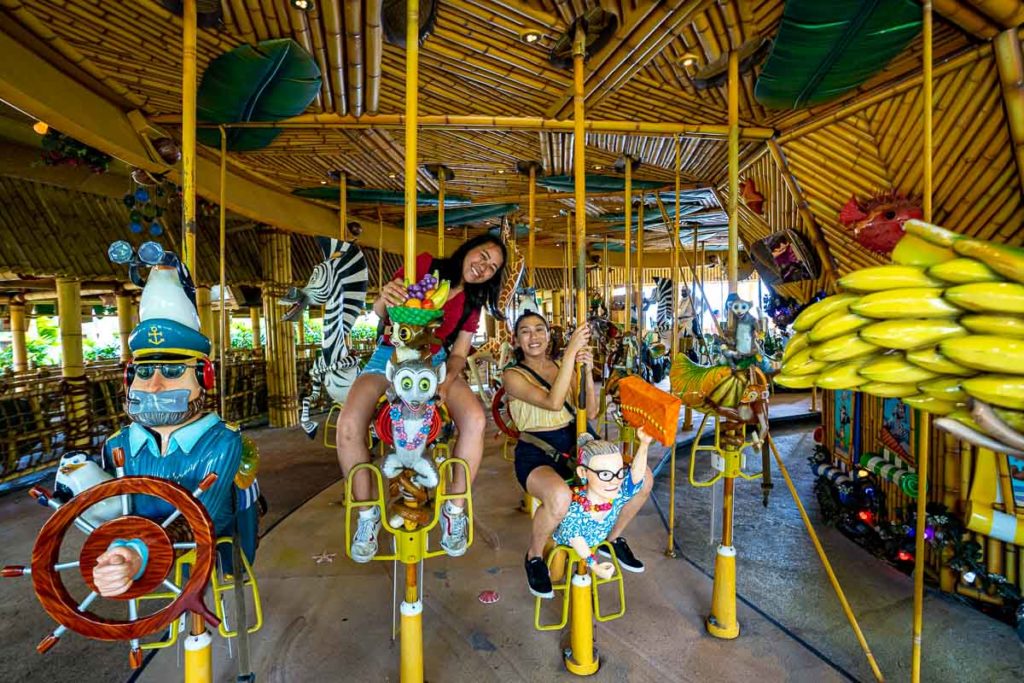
(204, 446)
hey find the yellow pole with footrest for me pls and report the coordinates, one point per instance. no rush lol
(579, 48)
(580, 659)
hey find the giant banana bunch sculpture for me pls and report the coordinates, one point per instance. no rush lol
(942, 328)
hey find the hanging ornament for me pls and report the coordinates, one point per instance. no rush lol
(149, 212)
(135, 226)
(129, 200)
(155, 229)
(135, 216)
(142, 194)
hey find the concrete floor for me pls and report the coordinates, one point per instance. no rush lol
(332, 621)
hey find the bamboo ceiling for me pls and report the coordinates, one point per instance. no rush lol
(474, 62)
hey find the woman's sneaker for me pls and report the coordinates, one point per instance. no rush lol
(454, 530)
(627, 560)
(538, 577)
(364, 542)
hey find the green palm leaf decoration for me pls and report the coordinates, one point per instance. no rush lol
(824, 49)
(597, 183)
(372, 195)
(269, 81)
(467, 215)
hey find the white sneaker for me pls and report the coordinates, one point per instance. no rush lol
(454, 530)
(364, 542)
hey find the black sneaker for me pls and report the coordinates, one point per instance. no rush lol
(538, 577)
(627, 560)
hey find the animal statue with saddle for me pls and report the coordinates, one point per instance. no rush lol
(409, 418)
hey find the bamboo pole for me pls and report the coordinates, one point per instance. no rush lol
(670, 550)
(580, 187)
(924, 419)
(813, 229)
(124, 324)
(966, 18)
(442, 178)
(641, 318)
(188, 133)
(205, 311)
(282, 384)
(18, 328)
(224, 340)
(628, 200)
(734, 173)
(412, 66)
(608, 292)
(380, 251)
(1006, 13)
(254, 320)
(567, 304)
(1010, 63)
(343, 206)
(530, 265)
(76, 404)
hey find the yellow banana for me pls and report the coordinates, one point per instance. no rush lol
(440, 295)
(963, 416)
(1013, 418)
(986, 352)
(888, 390)
(1006, 391)
(795, 381)
(798, 342)
(847, 347)
(879, 278)
(930, 359)
(932, 233)
(993, 297)
(912, 250)
(842, 376)
(894, 369)
(907, 302)
(836, 325)
(946, 388)
(1005, 260)
(910, 333)
(930, 404)
(999, 325)
(819, 309)
(962, 271)
(802, 364)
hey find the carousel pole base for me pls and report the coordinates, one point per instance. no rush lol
(412, 642)
(581, 657)
(198, 659)
(721, 623)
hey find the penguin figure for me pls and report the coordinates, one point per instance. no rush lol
(76, 473)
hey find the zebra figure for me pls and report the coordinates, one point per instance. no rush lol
(663, 299)
(339, 283)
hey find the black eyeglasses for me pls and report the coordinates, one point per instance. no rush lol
(168, 370)
(608, 475)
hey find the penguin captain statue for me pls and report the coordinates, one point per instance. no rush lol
(172, 435)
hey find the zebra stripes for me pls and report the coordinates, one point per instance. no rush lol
(339, 283)
(663, 298)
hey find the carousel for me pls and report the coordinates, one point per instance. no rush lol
(419, 309)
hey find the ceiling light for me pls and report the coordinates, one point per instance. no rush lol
(40, 127)
(304, 5)
(687, 59)
(323, 182)
(530, 36)
(501, 171)
(392, 175)
(599, 168)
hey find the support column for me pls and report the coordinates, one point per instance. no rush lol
(124, 323)
(282, 385)
(76, 392)
(205, 310)
(556, 305)
(19, 325)
(254, 318)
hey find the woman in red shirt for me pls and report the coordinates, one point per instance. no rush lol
(475, 272)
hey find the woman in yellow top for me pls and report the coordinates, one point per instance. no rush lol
(542, 402)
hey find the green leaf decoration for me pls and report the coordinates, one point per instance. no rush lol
(596, 183)
(467, 215)
(824, 49)
(269, 81)
(370, 195)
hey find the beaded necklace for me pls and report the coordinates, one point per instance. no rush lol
(579, 496)
(398, 423)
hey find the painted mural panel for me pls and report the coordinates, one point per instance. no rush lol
(896, 429)
(843, 424)
(1017, 478)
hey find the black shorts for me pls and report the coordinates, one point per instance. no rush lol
(530, 457)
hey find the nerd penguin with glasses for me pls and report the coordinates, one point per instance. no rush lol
(171, 436)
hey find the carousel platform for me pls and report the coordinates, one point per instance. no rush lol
(332, 620)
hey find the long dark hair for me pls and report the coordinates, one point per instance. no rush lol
(517, 352)
(477, 295)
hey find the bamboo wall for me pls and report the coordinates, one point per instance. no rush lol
(952, 466)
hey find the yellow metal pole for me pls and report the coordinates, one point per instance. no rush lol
(441, 179)
(19, 327)
(254, 319)
(124, 324)
(734, 168)
(580, 187)
(923, 418)
(670, 550)
(580, 658)
(188, 133)
(639, 294)
(343, 206)
(628, 197)
(567, 270)
(225, 339)
(380, 250)
(530, 265)
(850, 616)
(412, 72)
(606, 285)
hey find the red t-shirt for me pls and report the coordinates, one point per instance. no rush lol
(453, 308)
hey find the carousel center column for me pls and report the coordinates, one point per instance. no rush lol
(282, 384)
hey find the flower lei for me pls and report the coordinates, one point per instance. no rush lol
(398, 422)
(579, 496)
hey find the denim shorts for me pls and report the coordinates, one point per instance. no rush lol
(378, 362)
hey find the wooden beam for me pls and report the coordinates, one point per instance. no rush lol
(1010, 63)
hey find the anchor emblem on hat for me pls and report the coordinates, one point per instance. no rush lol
(155, 336)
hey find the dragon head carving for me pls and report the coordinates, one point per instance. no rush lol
(877, 223)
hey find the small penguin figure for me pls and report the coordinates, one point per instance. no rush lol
(76, 473)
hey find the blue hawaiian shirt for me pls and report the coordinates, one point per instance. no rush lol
(578, 522)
